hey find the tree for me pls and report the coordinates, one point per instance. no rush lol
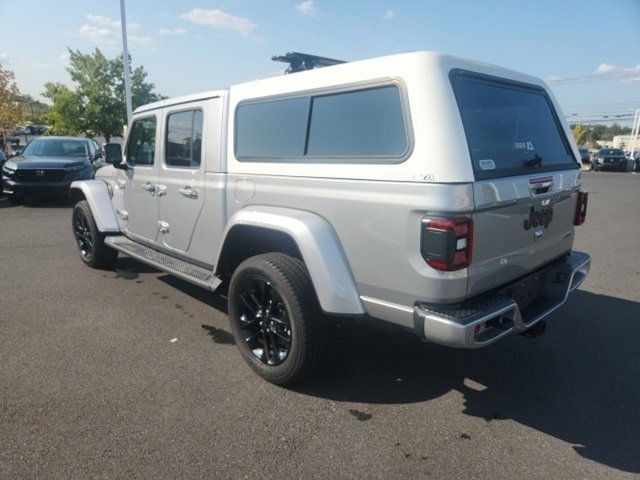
(580, 133)
(34, 110)
(65, 114)
(96, 105)
(10, 106)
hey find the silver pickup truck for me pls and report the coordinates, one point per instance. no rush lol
(432, 192)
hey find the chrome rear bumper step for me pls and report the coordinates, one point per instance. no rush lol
(487, 318)
(187, 271)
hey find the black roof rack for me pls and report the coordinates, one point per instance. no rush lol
(299, 62)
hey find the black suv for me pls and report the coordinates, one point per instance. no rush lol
(610, 159)
(48, 165)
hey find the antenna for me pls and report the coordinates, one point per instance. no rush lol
(299, 62)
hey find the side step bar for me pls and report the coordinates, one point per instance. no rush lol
(187, 271)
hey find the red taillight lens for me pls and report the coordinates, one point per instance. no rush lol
(446, 243)
(581, 208)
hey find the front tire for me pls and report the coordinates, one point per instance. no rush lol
(89, 239)
(15, 199)
(275, 318)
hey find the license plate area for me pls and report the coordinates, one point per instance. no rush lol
(529, 289)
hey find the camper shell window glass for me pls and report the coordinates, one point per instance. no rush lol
(511, 128)
(272, 129)
(365, 125)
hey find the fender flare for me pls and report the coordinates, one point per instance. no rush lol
(97, 194)
(320, 250)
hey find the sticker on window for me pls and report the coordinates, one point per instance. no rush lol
(487, 164)
(528, 145)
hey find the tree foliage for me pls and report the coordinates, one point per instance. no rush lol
(96, 103)
(11, 111)
(592, 133)
(34, 110)
(580, 134)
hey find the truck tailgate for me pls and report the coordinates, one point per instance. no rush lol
(519, 225)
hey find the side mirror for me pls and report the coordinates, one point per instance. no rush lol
(113, 155)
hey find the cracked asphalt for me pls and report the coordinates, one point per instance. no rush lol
(132, 374)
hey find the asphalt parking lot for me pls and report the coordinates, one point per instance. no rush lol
(92, 386)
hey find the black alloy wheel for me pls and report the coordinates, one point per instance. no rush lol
(82, 233)
(275, 318)
(264, 320)
(89, 240)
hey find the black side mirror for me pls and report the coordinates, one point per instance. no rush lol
(113, 155)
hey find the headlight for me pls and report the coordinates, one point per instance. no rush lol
(8, 170)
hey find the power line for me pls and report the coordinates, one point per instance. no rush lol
(591, 78)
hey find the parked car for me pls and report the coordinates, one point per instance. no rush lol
(610, 159)
(11, 139)
(431, 192)
(48, 165)
(585, 156)
(3, 157)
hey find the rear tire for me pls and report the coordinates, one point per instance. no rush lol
(89, 240)
(275, 318)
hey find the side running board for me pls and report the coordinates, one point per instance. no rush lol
(187, 271)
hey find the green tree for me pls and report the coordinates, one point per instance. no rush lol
(34, 110)
(66, 113)
(580, 133)
(96, 104)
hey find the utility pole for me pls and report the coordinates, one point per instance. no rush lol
(125, 62)
(635, 132)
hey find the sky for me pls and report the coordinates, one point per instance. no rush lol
(587, 50)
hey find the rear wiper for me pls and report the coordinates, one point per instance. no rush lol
(536, 161)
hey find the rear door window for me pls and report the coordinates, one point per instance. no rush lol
(183, 146)
(511, 129)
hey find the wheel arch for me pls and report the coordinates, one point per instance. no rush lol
(96, 193)
(304, 235)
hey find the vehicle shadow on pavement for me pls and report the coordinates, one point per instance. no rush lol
(580, 382)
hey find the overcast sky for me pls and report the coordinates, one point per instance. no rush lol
(588, 50)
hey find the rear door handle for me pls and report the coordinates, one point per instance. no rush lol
(149, 187)
(188, 192)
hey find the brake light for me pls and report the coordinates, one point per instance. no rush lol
(446, 243)
(581, 208)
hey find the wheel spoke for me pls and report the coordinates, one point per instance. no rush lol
(266, 347)
(282, 337)
(252, 309)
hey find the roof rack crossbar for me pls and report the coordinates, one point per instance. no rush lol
(299, 62)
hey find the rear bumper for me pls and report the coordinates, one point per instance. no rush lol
(486, 319)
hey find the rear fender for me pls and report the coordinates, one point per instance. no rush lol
(320, 250)
(97, 194)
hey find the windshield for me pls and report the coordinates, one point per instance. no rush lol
(511, 129)
(56, 147)
(606, 152)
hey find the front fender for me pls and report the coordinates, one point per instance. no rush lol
(97, 194)
(320, 250)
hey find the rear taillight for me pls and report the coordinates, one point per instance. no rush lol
(446, 243)
(581, 208)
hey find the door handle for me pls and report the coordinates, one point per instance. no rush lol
(188, 192)
(161, 189)
(149, 187)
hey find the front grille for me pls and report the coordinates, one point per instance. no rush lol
(40, 175)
